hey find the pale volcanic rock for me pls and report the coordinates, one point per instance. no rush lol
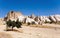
(57, 17)
(13, 15)
(21, 18)
(52, 18)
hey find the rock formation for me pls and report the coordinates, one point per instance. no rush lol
(37, 19)
(57, 17)
(30, 20)
(32, 16)
(12, 15)
(2, 22)
(52, 18)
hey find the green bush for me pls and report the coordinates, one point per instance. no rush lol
(13, 24)
(18, 24)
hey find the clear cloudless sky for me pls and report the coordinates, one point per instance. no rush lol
(27, 7)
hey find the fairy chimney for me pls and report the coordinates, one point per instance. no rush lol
(13, 15)
(32, 16)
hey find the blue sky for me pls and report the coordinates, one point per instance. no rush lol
(27, 7)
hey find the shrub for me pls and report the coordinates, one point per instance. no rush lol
(18, 24)
(13, 24)
(9, 23)
(29, 23)
(33, 22)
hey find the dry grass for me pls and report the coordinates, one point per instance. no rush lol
(42, 26)
(26, 24)
(39, 26)
(5, 35)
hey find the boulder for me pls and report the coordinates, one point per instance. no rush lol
(57, 17)
(21, 18)
(52, 18)
(30, 20)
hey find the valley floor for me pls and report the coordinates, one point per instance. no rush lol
(31, 32)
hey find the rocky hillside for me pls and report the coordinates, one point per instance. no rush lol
(37, 19)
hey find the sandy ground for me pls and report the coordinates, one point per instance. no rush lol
(31, 32)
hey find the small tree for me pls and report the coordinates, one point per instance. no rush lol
(13, 24)
(8, 24)
(18, 24)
